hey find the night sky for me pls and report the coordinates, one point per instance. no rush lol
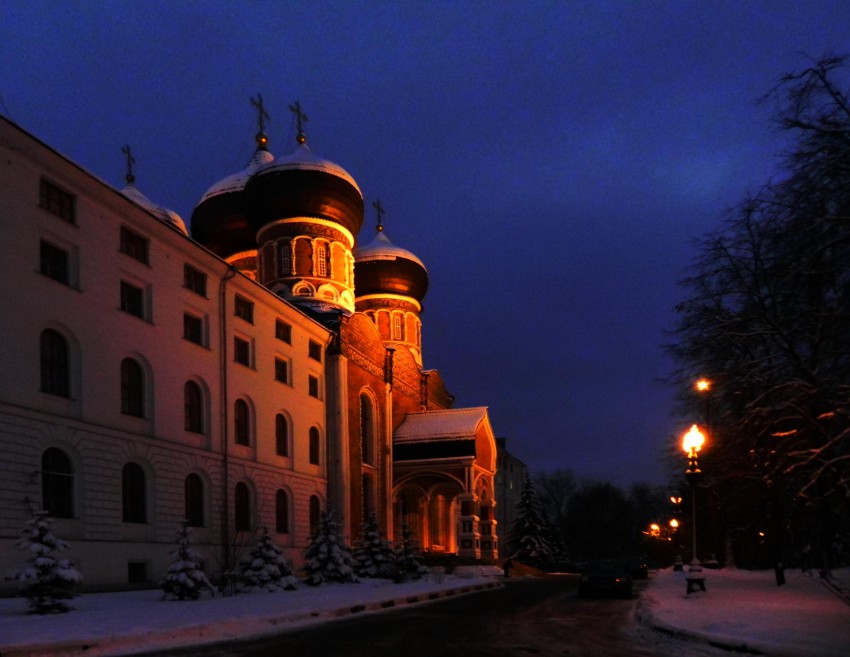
(552, 164)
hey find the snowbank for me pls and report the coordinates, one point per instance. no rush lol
(124, 623)
(745, 609)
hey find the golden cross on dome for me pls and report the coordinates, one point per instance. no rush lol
(262, 116)
(130, 178)
(379, 211)
(300, 117)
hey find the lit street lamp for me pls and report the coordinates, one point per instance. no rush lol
(692, 442)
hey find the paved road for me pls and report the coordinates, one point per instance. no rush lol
(527, 617)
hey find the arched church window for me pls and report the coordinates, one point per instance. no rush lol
(323, 259)
(398, 327)
(284, 258)
(367, 429)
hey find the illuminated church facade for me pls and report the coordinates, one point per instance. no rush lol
(252, 374)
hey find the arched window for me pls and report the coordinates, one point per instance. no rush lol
(134, 494)
(57, 483)
(241, 423)
(398, 327)
(242, 507)
(132, 388)
(281, 512)
(367, 429)
(314, 446)
(315, 511)
(323, 259)
(285, 259)
(281, 435)
(193, 405)
(193, 494)
(55, 367)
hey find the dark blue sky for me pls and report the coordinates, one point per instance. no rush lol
(550, 162)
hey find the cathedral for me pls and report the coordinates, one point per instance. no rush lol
(246, 374)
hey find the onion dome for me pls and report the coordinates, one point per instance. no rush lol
(381, 268)
(302, 184)
(130, 191)
(220, 220)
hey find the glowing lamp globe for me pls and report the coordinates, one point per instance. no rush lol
(693, 440)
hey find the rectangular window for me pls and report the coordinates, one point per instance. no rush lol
(281, 369)
(244, 309)
(57, 201)
(242, 351)
(315, 351)
(193, 329)
(54, 262)
(195, 280)
(134, 245)
(283, 331)
(132, 299)
(313, 386)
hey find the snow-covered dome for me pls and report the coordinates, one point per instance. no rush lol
(220, 219)
(303, 159)
(381, 248)
(302, 184)
(381, 267)
(163, 214)
(237, 181)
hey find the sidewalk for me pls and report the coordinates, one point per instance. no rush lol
(123, 623)
(745, 611)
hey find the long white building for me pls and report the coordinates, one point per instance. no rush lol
(146, 376)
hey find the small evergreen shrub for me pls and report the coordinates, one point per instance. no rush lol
(47, 582)
(266, 568)
(185, 579)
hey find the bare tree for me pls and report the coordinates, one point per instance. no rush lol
(767, 318)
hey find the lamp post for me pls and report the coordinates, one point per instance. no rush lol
(692, 442)
(677, 548)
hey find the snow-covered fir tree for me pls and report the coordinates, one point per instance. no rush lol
(266, 568)
(327, 558)
(528, 542)
(45, 581)
(407, 559)
(373, 554)
(185, 579)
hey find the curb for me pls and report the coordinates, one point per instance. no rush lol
(223, 631)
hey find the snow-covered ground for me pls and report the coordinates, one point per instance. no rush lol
(742, 608)
(801, 619)
(124, 623)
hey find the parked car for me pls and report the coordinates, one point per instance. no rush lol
(605, 577)
(638, 568)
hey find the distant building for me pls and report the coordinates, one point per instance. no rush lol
(265, 368)
(510, 473)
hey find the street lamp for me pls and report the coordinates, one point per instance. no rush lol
(692, 442)
(677, 512)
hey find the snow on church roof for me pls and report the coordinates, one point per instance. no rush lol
(302, 158)
(381, 248)
(237, 181)
(452, 424)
